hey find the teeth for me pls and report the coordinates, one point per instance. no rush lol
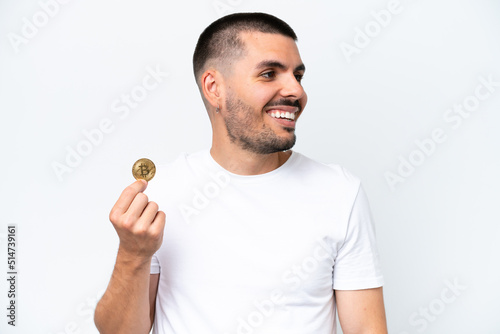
(282, 114)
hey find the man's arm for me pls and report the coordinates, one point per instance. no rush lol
(153, 289)
(126, 306)
(361, 311)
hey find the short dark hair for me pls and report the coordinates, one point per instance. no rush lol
(220, 40)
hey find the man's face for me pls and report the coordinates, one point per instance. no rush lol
(263, 94)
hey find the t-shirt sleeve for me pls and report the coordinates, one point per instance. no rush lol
(155, 265)
(357, 264)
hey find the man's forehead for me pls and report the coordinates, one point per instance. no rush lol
(262, 45)
(259, 37)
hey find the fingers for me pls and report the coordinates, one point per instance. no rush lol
(127, 196)
(149, 212)
(158, 223)
(137, 206)
(137, 221)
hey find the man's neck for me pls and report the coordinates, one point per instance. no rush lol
(244, 162)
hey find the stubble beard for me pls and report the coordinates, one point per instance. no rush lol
(241, 123)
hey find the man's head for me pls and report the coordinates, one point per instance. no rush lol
(248, 67)
(220, 42)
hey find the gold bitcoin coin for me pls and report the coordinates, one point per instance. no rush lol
(144, 169)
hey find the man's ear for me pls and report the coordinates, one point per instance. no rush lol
(210, 86)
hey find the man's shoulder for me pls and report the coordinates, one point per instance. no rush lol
(302, 166)
(182, 159)
(326, 167)
(328, 171)
(176, 169)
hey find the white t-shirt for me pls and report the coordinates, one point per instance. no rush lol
(261, 253)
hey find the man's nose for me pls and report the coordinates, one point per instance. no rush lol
(292, 87)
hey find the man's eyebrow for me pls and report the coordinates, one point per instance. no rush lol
(301, 67)
(277, 64)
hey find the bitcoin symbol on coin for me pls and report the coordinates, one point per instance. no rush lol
(144, 169)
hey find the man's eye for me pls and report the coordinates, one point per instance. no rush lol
(269, 75)
(299, 77)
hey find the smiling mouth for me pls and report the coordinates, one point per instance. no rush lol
(290, 116)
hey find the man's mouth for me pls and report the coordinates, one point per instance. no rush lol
(284, 111)
(282, 114)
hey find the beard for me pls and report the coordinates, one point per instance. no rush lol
(244, 127)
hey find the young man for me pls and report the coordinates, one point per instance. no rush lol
(258, 238)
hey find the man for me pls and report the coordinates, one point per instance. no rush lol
(258, 238)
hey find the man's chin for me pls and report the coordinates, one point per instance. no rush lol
(277, 144)
(285, 146)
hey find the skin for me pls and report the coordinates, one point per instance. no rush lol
(244, 96)
(361, 311)
(246, 140)
(127, 305)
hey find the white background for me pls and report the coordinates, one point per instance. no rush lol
(365, 112)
